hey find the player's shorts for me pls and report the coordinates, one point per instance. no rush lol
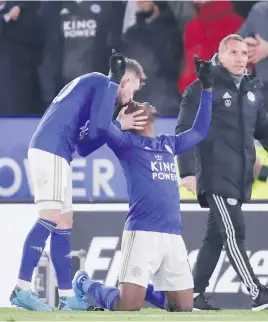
(159, 257)
(51, 178)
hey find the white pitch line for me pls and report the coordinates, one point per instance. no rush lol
(122, 314)
(164, 318)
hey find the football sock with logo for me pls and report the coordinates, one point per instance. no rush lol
(156, 298)
(104, 296)
(60, 252)
(32, 250)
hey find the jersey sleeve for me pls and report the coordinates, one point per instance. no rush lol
(117, 140)
(99, 84)
(84, 148)
(198, 132)
(87, 146)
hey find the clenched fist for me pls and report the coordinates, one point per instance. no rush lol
(203, 70)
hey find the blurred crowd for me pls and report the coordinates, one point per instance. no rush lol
(45, 44)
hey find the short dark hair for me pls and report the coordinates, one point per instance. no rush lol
(134, 106)
(133, 66)
(149, 110)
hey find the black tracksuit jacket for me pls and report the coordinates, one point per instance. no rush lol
(223, 162)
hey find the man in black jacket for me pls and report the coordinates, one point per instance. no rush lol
(223, 165)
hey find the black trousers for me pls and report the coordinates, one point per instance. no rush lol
(225, 227)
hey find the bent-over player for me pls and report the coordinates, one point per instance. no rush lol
(69, 124)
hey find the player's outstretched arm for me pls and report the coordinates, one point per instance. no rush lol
(198, 132)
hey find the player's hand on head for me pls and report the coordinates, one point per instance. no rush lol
(117, 67)
(189, 183)
(203, 70)
(132, 121)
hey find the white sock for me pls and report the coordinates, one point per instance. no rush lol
(195, 295)
(66, 293)
(25, 285)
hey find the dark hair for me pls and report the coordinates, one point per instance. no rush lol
(149, 110)
(133, 66)
(133, 106)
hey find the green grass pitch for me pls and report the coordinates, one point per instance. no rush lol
(12, 314)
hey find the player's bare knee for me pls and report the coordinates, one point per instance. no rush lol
(66, 220)
(130, 306)
(180, 301)
(180, 308)
(133, 308)
(173, 306)
(186, 308)
(131, 302)
(131, 297)
(50, 210)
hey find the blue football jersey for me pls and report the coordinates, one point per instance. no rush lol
(149, 168)
(70, 120)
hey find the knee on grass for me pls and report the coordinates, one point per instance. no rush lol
(130, 304)
(130, 307)
(184, 308)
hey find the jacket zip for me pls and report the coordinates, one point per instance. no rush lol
(240, 102)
